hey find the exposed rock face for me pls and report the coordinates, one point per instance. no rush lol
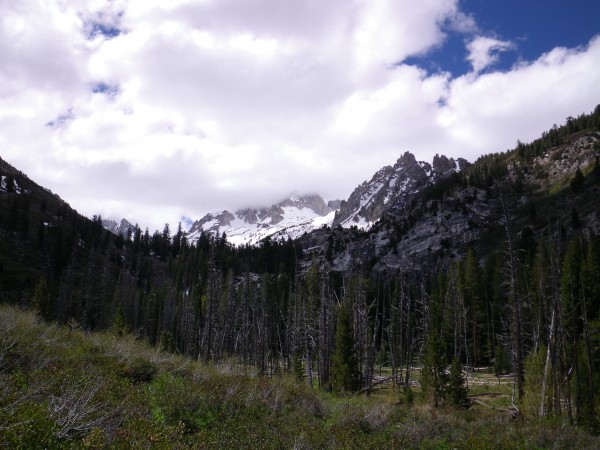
(334, 204)
(561, 163)
(440, 227)
(442, 166)
(123, 228)
(313, 202)
(391, 188)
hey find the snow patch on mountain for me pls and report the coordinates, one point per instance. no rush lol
(290, 218)
(391, 188)
(388, 191)
(9, 185)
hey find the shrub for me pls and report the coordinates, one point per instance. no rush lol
(139, 371)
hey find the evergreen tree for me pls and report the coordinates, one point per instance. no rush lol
(456, 393)
(41, 299)
(297, 367)
(9, 183)
(345, 371)
(534, 369)
(501, 362)
(577, 181)
(433, 375)
(119, 326)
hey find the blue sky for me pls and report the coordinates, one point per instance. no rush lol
(533, 27)
(153, 110)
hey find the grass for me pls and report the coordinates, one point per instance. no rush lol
(63, 388)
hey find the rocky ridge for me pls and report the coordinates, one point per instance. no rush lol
(289, 218)
(387, 192)
(392, 187)
(435, 224)
(123, 228)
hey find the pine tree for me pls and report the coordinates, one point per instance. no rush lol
(345, 371)
(297, 367)
(41, 299)
(456, 393)
(119, 326)
(534, 372)
(433, 375)
(9, 183)
(501, 362)
(577, 181)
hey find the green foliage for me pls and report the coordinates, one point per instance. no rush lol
(41, 299)
(578, 181)
(534, 375)
(456, 392)
(434, 377)
(408, 395)
(501, 362)
(297, 367)
(345, 372)
(119, 326)
(172, 404)
(139, 370)
(62, 389)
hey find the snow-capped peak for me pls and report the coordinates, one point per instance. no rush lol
(291, 218)
(391, 188)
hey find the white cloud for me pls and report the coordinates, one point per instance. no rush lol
(205, 105)
(483, 51)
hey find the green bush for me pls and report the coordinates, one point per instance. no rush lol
(139, 371)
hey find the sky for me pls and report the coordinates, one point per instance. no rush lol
(158, 110)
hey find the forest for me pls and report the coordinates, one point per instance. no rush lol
(524, 306)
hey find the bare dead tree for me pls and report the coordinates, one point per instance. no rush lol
(511, 280)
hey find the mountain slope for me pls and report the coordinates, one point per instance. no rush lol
(391, 188)
(123, 228)
(290, 218)
(424, 229)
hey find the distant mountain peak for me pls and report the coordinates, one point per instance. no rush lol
(392, 187)
(290, 218)
(123, 227)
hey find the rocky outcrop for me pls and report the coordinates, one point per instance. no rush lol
(334, 205)
(123, 228)
(391, 188)
(559, 164)
(428, 234)
(313, 202)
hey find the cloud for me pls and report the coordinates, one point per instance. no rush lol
(495, 109)
(156, 110)
(483, 51)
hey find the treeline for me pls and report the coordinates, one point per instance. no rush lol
(530, 309)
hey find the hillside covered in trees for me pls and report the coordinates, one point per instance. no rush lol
(519, 300)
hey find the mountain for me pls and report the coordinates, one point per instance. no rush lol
(429, 219)
(122, 228)
(392, 187)
(388, 190)
(289, 218)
